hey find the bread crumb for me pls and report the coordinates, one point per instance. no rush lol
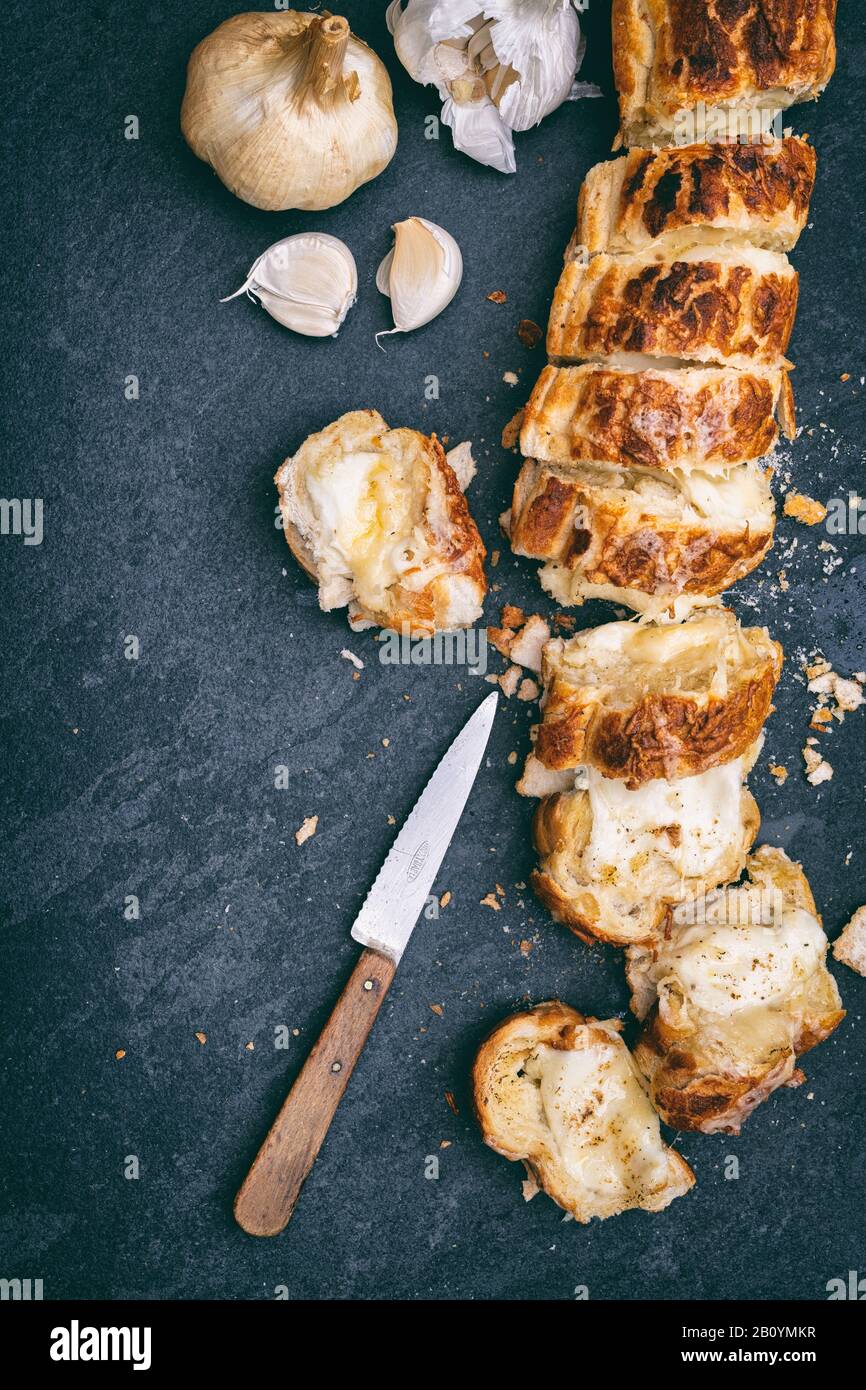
(511, 432)
(392, 820)
(528, 690)
(527, 646)
(309, 827)
(512, 759)
(202, 1037)
(492, 901)
(512, 616)
(510, 680)
(445, 899)
(530, 1189)
(386, 743)
(120, 1054)
(804, 509)
(510, 378)
(565, 620)
(350, 656)
(779, 773)
(817, 769)
(437, 1009)
(850, 946)
(783, 583)
(497, 296)
(525, 948)
(500, 890)
(249, 1047)
(529, 333)
(502, 638)
(451, 1103)
(494, 559)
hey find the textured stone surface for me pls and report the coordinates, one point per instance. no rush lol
(156, 777)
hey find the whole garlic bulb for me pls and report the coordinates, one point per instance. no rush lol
(307, 282)
(290, 109)
(499, 65)
(421, 273)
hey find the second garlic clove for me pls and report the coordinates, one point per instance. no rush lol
(306, 282)
(420, 274)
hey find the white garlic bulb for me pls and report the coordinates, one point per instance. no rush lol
(290, 109)
(307, 282)
(499, 65)
(421, 273)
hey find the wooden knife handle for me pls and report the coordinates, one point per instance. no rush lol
(270, 1189)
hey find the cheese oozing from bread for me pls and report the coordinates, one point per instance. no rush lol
(725, 968)
(687, 824)
(369, 509)
(602, 1126)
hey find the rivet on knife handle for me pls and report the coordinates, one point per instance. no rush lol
(269, 1192)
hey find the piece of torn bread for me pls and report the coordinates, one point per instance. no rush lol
(710, 418)
(734, 993)
(613, 861)
(645, 700)
(561, 1093)
(729, 305)
(699, 194)
(377, 517)
(728, 59)
(850, 946)
(657, 533)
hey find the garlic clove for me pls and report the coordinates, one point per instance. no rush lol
(421, 273)
(306, 282)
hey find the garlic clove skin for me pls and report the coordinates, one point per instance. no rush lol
(499, 65)
(290, 109)
(421, 273)
(306, 282)
(540, 43)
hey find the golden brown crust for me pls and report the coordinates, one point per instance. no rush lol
(668, 55)
(704, 417)
(760, 192)
(704, 309)
(709, 1074)
(602, 531)
(666, 732)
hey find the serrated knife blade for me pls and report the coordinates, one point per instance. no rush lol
(402, 885)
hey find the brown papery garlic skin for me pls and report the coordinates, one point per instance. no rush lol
(290, 109)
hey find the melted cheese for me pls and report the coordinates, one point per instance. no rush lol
(368, 518)
(601, 1123)
(722, 969)
(689, 824)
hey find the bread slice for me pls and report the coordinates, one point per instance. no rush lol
(376, 516)
(614, 861)
(699, 194)
(642, 701)
(658, 533)
(560, 1093)
(730, 305)
(710, 418)
(671, 56)
(736, 991)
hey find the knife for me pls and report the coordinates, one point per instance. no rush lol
(271, 1188)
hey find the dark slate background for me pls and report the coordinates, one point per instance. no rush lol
(155, 777)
